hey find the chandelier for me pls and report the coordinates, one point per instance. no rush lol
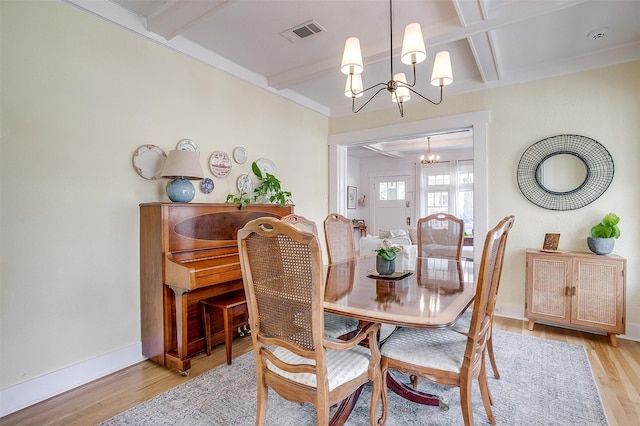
(429, 158)
(413, 52)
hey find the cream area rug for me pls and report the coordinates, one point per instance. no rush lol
(543, 382)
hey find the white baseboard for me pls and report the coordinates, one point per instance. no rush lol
(517, 312)
(22, 395)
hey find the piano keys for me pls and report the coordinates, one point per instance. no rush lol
(188, 252)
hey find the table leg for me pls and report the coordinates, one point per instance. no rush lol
(345, 408)
(414, 395)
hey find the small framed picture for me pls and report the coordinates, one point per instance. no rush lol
(551, 242)
(352, 197)
(360, 222)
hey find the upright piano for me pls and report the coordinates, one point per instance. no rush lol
(188, 252)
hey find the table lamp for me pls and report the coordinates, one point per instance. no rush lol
(181, 166)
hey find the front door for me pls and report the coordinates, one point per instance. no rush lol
(391, 205)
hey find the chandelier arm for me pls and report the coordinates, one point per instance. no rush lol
(407, 85)
(369, 88)
(353, 99)
(425, 98)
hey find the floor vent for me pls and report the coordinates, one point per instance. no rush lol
(302, 31)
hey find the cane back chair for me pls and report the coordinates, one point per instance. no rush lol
(444, 356)
(338, 233)
(440, 235)
(334, 325)
(283, 279)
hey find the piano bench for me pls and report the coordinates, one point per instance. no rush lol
(230, 307)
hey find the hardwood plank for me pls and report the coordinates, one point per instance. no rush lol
(616, 371)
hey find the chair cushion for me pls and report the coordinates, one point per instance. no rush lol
(441, 349)
(337, 325)
(342, 366)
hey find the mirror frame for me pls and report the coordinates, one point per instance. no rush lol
(596, 158)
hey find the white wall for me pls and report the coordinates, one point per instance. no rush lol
(79, 95)
(602, 104)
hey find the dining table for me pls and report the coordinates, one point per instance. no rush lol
(432, 296)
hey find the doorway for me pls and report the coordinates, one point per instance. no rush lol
(478, 121)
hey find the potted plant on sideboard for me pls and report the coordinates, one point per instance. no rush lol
(603, 234)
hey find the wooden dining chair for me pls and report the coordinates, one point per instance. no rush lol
(464, 322)
(302, 223)
(338, 233)
(444, 356)
(440, 235)
(283, 280)
(334, 325)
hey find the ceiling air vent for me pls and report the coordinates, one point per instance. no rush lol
(301, 31)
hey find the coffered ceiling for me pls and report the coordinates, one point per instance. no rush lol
(492, 42)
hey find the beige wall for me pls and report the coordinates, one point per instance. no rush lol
(603, 104)
(79, 95)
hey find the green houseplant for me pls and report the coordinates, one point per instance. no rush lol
(603, 234)
(268, 191)
(386, 257)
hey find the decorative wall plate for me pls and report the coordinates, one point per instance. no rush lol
(239, 155)
(188, 145)
(148, 161)
(244, 184)
(596, 159)
(220, 164)
(206, 185)
(266, 166)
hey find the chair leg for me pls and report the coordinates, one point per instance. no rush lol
(465, 400)
(228, 333)
(375, 397)
(261, 411)
(323, 414)
(385, 397)
(492, 357)
(486, 394)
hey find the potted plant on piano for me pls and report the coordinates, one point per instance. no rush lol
(268, 191)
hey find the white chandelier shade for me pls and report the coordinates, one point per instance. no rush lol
(354, 86)
(401, 94)
(413, 51)
(352, 57)
(442, 73)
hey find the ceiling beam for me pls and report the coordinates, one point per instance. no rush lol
(472, 28)
(176, 16)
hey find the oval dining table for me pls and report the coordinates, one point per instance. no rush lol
(435, 295)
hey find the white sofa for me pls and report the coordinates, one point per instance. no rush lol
(406, 259)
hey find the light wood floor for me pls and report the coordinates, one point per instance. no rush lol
(616, 370)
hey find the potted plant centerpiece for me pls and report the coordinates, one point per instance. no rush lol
(603, 235)
(386, 257)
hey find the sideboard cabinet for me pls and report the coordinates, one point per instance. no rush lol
(580, 290)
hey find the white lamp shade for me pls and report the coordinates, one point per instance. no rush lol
(442, 74)
(352, 57)
(402, 93)
(182, 164)
(353, 88)
(413, 51)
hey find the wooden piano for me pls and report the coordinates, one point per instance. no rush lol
(188, 252)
